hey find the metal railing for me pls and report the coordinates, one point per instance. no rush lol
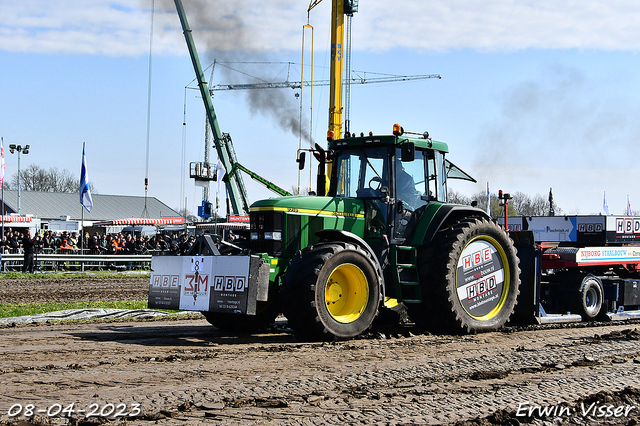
(81, 262)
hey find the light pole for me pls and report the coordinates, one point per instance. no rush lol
(24, 150)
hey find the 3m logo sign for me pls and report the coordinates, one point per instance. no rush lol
(165, 281)
(229, 283)
(475, 259)
(196, 283)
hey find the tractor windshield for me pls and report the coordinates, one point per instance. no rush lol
(360, 174)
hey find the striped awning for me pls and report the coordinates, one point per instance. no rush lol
(141, 221)
(7, 218)
(222, 225)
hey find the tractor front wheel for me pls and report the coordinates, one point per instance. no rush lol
(331, 290)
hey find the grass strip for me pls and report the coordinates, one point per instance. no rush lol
(17, 310)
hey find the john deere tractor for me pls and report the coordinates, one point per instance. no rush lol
(383, 234)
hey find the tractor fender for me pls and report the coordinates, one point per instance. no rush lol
(448, 213)
(350, 237)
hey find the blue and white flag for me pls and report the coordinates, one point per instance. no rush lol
(605, 206)
(488, 201)
(629, 211)
(219, 175)
(85, 193)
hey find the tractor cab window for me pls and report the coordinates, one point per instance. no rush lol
(418, 183)
(360, 173)
(436, 176)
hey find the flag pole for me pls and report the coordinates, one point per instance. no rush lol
(2, 183)
(2, 238)
(82, 230)
(85, 196)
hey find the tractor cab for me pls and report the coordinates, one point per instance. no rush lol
(396, 176)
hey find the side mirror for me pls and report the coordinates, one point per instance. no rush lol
(407, 152)
(301, 159)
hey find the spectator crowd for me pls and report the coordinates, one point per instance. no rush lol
(13, 241)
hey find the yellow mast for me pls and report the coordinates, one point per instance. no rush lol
(335, 84)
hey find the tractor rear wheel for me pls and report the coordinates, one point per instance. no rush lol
(470, 278)
(331, 290)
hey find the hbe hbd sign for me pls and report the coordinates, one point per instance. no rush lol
(208, 283)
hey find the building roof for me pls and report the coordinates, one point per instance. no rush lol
(54, 205)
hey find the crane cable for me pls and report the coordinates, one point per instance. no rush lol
(145, 213)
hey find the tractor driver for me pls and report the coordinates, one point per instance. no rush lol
(405, 186)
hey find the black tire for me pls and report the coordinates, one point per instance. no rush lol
(589, 298)
(470, 278)
(331, 290)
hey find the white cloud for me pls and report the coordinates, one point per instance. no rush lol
(101, 27)
(498, 24)
(121, 28)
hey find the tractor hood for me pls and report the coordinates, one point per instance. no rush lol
(313, 206)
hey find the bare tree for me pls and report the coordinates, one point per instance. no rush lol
(188, 216)
(536, 206)
(303, 190)
(455, 197)
(35, 178)
(479, 199)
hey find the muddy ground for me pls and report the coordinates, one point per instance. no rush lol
(183, 371)
(64, 288)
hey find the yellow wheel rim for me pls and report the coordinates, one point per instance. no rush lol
(346, 293)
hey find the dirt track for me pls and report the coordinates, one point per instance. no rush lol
(185, 372)
(65, 289)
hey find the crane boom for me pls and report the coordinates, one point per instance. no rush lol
(270, 185)
(235, 185)
(335, 83)
(297, 85)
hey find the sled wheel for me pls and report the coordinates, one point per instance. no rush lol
(470, 278)
(331, 290)
(590, 298)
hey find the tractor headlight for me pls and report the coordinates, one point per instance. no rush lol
(273, 235)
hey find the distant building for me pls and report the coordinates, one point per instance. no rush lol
(51, 208)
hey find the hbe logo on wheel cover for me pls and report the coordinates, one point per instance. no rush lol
(480, 278)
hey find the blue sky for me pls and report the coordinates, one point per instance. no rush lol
(533, 95)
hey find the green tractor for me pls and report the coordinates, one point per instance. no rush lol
(382, 235)
(384, 231)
